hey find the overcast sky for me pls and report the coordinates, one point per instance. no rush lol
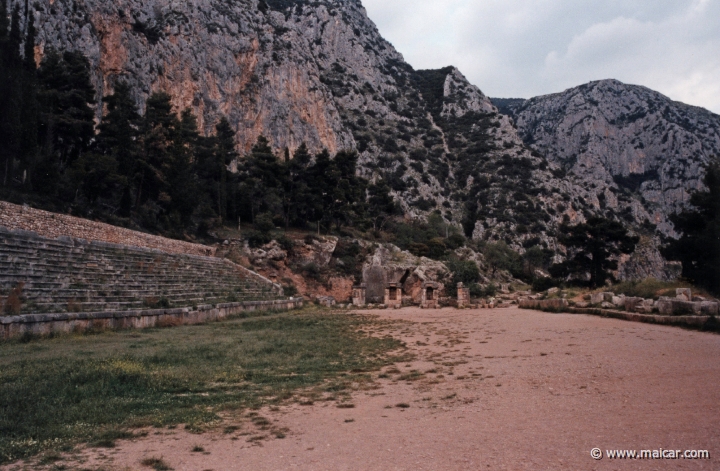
(525, 48)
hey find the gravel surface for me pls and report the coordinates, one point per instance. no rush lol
(503, 389)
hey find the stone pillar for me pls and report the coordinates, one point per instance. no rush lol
(358, 295)
(393, 295)
(429, 296)
(463, 296)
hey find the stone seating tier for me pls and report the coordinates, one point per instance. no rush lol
(60, 275)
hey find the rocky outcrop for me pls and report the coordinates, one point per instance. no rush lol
(389, 264)
(639, 153)
(303, 266)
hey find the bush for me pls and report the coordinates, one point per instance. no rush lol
(258, 239)
(286, 243)
(455, 241)
(476, 291)
(543, 284)
(436, 248)
(264, 223)
(490, 290)
(464, 271)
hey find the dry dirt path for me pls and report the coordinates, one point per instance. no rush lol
(489, 389)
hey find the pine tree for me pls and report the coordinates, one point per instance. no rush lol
(12, 97)
(261, 186)
(158, 127)
(117, 139)
(5, 154)
(348, 201)
(595, 246)
(67, 96)
(381, 205)
(225, 154)
(30, 110)
(300, 197)
(182, 184)
(699, 246)
(119, 129)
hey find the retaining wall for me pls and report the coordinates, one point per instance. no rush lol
(52, 225)
(681, 321)
(48, 324)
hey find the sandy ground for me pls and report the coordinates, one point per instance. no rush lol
(501, 389)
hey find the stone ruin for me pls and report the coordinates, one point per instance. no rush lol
(684, 303)
(393, 295)
(430, 292)
(463, 296)
(359, 294)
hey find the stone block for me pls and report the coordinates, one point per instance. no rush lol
(631, 304)
(706, 308)
(683, 294)
(327, 301)
(675, 307)
(359, 294)
(597, 298)
(618, 301)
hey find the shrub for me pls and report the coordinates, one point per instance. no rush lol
(286, 243)
(464, 271)
(311, 270)
(489, 290)
(543, 284)
(455, 241)
(258, 239)
(436, 248)
(264, 223)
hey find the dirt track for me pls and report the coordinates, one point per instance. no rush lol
(496, 389)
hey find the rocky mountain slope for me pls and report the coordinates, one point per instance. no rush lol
(635, 150)
(320, 73)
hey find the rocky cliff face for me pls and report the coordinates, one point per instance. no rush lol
(319, 73)
(638, 152)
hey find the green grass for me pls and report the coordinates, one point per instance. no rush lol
(650, 288)
(56, 393)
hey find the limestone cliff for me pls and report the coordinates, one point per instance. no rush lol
(638, 152)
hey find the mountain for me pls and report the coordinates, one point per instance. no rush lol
(639, 153)
(320, 73)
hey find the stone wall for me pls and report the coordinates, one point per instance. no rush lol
(50, 324)
(52, 225)
(695, 322)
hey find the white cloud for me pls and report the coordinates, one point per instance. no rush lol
(524, 48)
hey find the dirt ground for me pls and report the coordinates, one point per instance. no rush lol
(504, 389)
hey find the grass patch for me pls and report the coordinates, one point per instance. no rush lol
(59, 392)
(650, 288)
